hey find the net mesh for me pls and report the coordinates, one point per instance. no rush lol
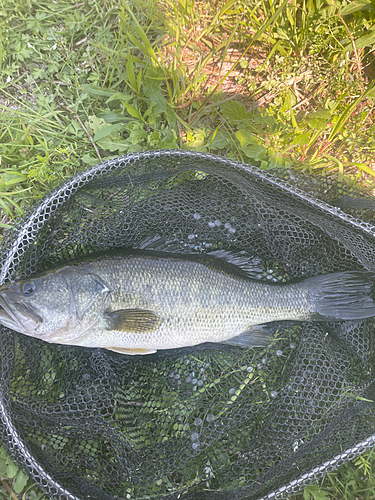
(205, 422)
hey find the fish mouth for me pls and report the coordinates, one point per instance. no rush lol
(7, 317)
(17, 315)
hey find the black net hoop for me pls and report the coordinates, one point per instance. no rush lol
(205, 423)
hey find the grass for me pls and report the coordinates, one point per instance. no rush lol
(273, 84)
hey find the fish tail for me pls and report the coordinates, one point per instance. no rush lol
(346, 295)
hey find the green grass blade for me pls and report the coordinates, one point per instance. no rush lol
(346, 114)
(146, 47)
(256, 37)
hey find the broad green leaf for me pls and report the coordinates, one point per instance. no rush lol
(151, 112)
(120, 96)
(132, 111)
(95, 123)
(90, 160)
(138, 135)
(220, 140)
(254, 151)
(3, 466)
(158, 99)
(91, 89)
(318, 119)
(8, 179)
(109, 145)
(233, 111)
(355, 6)
(107, 129)
(168, 145)
(20, 481)
(362, 41)
(275, 161)
(12, 469)
(171, 117)
(245, 137)
(314, 492)
(110, 117)
(301, 139)
(135, 148)
(321, 114)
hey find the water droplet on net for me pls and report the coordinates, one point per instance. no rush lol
(191, 236)
(210, 417)
(217, 223)
(194, 436)
(273, 394)
(196, 216)
(279, 352)
(232, 390)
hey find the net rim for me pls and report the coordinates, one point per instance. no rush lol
(71, 186)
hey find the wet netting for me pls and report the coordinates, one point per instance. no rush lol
(204, 423)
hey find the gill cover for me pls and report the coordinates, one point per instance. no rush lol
(87, 290)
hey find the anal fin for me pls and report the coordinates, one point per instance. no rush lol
(131, 351)
(255, 336)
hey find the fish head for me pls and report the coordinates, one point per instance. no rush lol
(57, 307)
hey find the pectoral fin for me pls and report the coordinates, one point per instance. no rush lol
(129, 351)
(254, 336)
(133, 320)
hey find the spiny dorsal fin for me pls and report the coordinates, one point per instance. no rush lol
(133, 320)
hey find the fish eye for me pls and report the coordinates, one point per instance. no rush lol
(28, 288)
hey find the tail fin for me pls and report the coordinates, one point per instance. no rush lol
(345, 295)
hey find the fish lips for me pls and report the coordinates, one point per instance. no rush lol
(16, 314)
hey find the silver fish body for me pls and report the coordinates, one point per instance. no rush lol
(138, 303)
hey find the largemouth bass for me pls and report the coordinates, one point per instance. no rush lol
(140, 302)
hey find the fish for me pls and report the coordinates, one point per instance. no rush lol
(139, 302)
